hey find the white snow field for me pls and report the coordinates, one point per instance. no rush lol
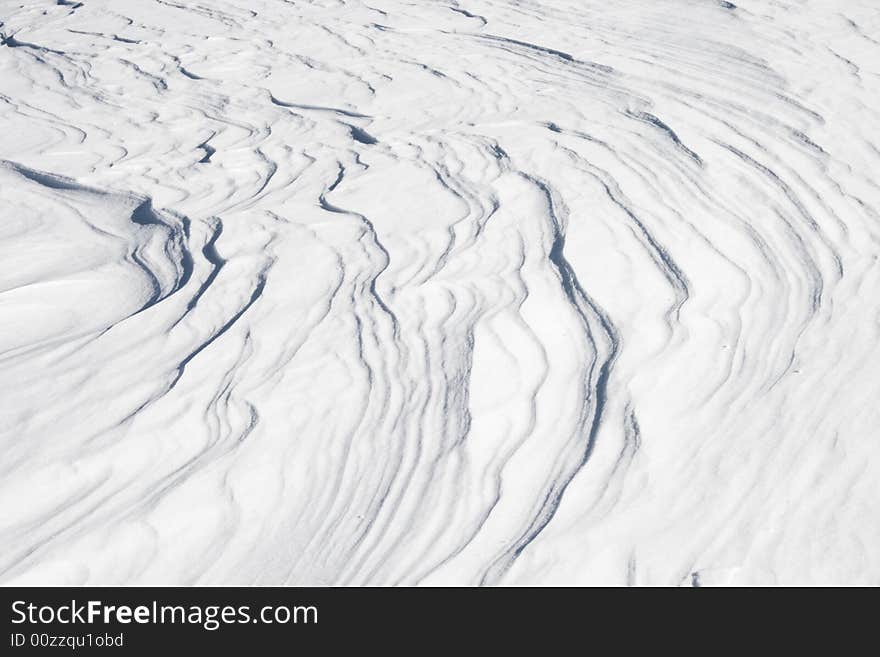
(394, 292)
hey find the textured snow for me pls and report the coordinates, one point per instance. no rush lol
(388, 292)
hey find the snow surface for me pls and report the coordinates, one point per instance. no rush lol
(436, 292)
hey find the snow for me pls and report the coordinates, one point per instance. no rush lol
(381, 292)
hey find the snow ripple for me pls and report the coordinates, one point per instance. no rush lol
(499, 292)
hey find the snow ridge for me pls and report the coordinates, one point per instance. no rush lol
(381, 292)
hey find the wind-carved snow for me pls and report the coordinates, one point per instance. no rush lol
(498, 292)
